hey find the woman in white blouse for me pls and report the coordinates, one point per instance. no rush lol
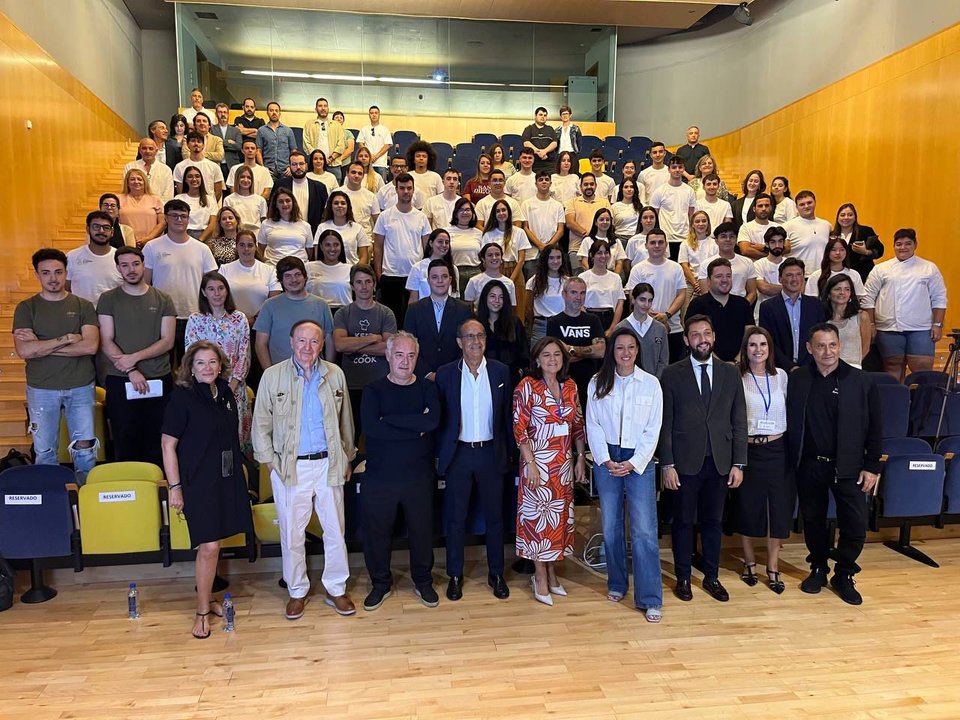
(285, 232)
(626, 210)
(491, 262)
(784, 208)
(250, 206)
(636, 248)
(604, 287)
(565, 183)
(465, 241)
(319, 172)
(545, 289)
(338, 215)
(513, 241)
(624, 413)
(842, 308)
(202, 204)
(329, 277)
(765, 501)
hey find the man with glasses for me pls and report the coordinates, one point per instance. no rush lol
(311, 195)
(275, 143)
(175, 264)
(473, 447)
(122, 234)
(91, 270)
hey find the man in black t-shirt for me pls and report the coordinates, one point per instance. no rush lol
(542, 139)
(582, 334)
(248, 123)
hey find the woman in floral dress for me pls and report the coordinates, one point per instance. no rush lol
(220, 322)
(548, 427)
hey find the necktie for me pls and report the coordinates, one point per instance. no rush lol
(705, 391)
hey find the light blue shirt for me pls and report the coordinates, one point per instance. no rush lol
(313, 437)
(793, 311)
(276, 146)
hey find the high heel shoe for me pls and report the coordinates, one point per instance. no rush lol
(774, 581)
(545, 599)
(748, 575)
(558, 589)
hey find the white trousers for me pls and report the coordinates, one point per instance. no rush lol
(294, 508)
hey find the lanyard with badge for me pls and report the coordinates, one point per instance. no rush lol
(766, 423)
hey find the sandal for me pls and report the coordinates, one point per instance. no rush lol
(653, 615)
(748, 575)
(202, 637)
(214, 606)
(614, 596)
(774, 581)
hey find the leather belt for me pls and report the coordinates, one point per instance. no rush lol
(763, 439)
(476, 444)
(820, 458)
(314, 456)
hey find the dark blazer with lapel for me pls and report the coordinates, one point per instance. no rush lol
(317, 201)
(775, 318)
(448, 381)
(231, 153)
(174, 153)
(687, 423)
(436, 348)
(738, 211)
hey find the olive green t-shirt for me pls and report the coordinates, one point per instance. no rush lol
(50, 319)
(136, 325)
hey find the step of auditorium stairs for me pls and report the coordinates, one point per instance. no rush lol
(20, 284)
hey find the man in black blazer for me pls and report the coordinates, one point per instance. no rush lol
(473, 446)
(232, 139)
(702, 450)
(317, 191)
(434, 321)
(790, 315)
(833, 416)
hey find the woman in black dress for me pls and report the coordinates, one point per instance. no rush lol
(204, 465)
(506, 336)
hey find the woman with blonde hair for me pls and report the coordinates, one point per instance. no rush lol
(698, 250)
(141, 209)
(705, 166)
(371, 178)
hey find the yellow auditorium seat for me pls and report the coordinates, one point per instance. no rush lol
(99, 429)
(267, 527)
(120, 516)
(129, 470)
(180, 536)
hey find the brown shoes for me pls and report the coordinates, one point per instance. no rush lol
(342, 604)
(295, 608)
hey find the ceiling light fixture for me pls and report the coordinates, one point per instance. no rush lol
(334, 77)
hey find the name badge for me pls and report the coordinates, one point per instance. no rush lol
(768, 425)
(561, 429)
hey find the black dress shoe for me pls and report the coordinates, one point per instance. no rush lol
(816, 580)
(683, 590)
(455, 588)
(715, 590)
(846, 589)
(499, 585)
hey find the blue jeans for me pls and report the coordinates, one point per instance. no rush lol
(641, 494)
(44, 407)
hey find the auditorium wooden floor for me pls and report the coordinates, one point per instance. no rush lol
(758, 656)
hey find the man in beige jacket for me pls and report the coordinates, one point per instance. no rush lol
(303, 432)
(322, 133)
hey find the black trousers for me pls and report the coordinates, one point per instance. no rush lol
(179, 343)
(356, 397)
(699, 500)
(678, 350)
(474, 467)
(379, 501)
(394, 294)
(135, 424)
(814, 480)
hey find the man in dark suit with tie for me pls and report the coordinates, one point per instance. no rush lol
(434, 321)
(790, 315)
(702, 450)
(473, 446)
(316, 191)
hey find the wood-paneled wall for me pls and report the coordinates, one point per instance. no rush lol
(884, 138)
(48, 169)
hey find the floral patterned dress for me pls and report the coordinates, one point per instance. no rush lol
(545, 514)
(232, 334)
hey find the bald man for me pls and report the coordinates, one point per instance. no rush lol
(158, 174)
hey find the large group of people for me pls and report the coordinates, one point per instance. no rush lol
(477, 328)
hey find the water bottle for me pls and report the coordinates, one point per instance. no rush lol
(228, 613)
(133, 602)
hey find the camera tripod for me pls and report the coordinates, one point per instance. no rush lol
(951, 368)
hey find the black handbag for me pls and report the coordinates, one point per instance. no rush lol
(6, 585)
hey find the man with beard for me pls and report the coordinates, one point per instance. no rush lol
(212, 144)
(311, 195)
(137, 327)
(91, 270)
(750, 238)
(248, 123)
(730, 314)
(768, 267)
(702, 450)
(322, 133)
(580, 213)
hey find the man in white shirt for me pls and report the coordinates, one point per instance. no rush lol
(807, 234)
(719, 211)
(606, 186)
(751, 235)
(377, 139)
(744, 273)
(544, 223)
(212, 175)
(522, 184)
(439, 208)
(91, 269)
(364, 203)
(175, 264)
(580, 213)
(675, 203)
(657, 173)
(158, 174)
(399, 238)
(666, 278)
(423, 159)
(196, 105)
(498, 183)
(906, 300)
(262, 179)
(768, 267)
(387, 195)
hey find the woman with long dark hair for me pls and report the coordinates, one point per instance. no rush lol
(865, 246)
(565, 182)
(545, 289)
(251, 207)
(491, 264)
(438, 248)
(602, 229)
(338, 215)
(285, 232)
(604, 287)
(465, 241)
(329, 277)
(478, 187)
(513, 241)
(223, 241)
(626, 210)
(842, 308)
(203, 205)
(784, 208)
(836, 260)
(753, 185)
(506, 337)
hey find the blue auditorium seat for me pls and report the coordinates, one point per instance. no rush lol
(949, 447)
(485, 140)
(614, 146)
(512, 145)
(444, 153)
(402, 139)
(894, 410)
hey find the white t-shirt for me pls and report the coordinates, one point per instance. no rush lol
(543, 218)
(353, 236)
(364, 205)
(374, 138)
(330, 282)
(603, 291)
(251, 208)
(785, 210)
(403, 234)
(177, 270)
(439, 210)
(768, 271)
(281, 238)
(91, 275)
(518, 241)
(210, 170)
(262, 179)
(698, 259)
(617, 253)
(753, 232)
(606, 187)
(636, 249)
(717, 211)
(814, 278)
(250, 286)
(477, 283)
(808, 239)
(564, 188)
(625, 218)
(485, 205)
(743, 270)
(674, 203)
(666, 279)
(551, 302)
(301, 191)
(465, 246)
(521, 187)
(417, 279)
(651, 178)
(428, 183)
(160, 177)
(327, 178)
(199, 215)
(387, 197)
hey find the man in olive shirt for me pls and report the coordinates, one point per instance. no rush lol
(56, 333)
(137, 327)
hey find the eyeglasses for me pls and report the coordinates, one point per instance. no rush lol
(474, 336)
(110, 205)
(101, 228)
(179, 217)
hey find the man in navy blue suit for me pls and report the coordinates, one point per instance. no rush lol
(434, 320)
(473, 447)
(790, 315)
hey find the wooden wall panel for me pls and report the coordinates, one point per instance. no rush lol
(883, 138)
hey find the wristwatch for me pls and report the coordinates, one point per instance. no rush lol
(939, 324)
(739, 466)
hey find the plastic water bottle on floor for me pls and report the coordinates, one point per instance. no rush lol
(133, 602)
(229, 613)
